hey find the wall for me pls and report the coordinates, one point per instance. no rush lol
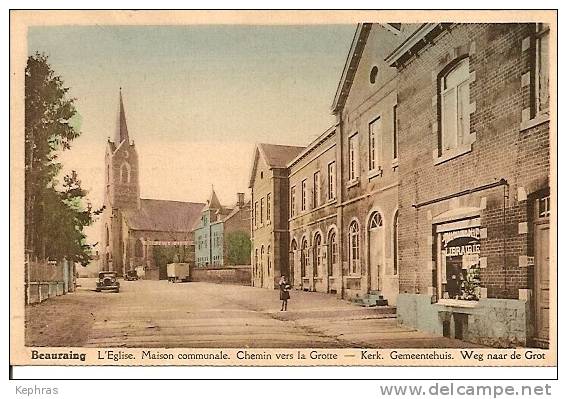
(373, 190)
(239, 275)
(321, 219)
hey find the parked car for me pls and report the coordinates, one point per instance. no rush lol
(107, 281)
(131, 275)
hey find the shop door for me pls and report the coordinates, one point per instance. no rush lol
(541, 275)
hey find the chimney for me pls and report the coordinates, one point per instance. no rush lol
(240, 199)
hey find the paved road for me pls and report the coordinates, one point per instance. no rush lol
(161, 314)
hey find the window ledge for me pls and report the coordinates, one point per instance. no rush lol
(376, 172)
(451, 154)
(457, 303)
(353, 183)
(537, 120)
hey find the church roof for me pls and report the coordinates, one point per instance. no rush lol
(163, 215)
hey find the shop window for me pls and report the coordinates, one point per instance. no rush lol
(458, 248)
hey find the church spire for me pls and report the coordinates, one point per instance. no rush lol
(213, 201)
(121, 127)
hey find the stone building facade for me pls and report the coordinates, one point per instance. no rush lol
(133, 226)
(313, 253)
(270, 213)
(215, 230)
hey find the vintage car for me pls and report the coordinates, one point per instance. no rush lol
(107, 281)
(131, 275)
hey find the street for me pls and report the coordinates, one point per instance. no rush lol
(197, 315)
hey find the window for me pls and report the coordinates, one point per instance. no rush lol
(544, 207)
(316, 189)
(395, 133)
(256, 261)
(395, 243)
(256, 214)
(376, 221)
(262, 258)
(268, 208)
(374, 144)
(261, 211)
(373, 74)
(304, 195)
(331, 171)
(292, 201)
(269, 261)
(139, 249)
(107, 236)
(354, 247)
(317, 255)
(333, 255)
(353, 157)
(542, 68)
(454, 96)
(125, 173)
(303, 257)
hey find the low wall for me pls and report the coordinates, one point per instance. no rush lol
(501, 323)
(45, 280)
(240, 275)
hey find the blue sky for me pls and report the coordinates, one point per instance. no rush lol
(197, 98)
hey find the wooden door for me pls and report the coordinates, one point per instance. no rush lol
(541, 276)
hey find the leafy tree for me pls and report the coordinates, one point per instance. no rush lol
(238, 247)
(54, 217)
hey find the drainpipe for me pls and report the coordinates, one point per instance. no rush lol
(339, 185)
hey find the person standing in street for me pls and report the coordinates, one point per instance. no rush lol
(284, 292)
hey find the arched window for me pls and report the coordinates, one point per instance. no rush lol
(454, 100)
(269, 261)
(395, 243)
(293, 245)
(262, 259)
(332, 251)
(256, 262)
(354, 247)
(375, 221)
(317, 255)
(303, 257)
(139, 249)
(125, 173)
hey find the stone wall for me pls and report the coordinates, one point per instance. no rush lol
(239, 275)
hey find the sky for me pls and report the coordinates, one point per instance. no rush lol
(197, 98)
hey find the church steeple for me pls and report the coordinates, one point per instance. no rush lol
(121, 127)
(213, 202)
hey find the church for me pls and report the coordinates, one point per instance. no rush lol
(133, 227)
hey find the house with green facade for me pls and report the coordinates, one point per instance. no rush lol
(222, 234)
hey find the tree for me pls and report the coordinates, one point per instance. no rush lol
(54, 218)
(238, 247)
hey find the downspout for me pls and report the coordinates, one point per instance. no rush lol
(339, 206)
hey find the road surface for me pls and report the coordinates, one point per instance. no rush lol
(198, 315)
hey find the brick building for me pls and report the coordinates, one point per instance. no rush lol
(133, 226)
(474, 197)
(223, 233)
(442, 162)
(270, 213)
